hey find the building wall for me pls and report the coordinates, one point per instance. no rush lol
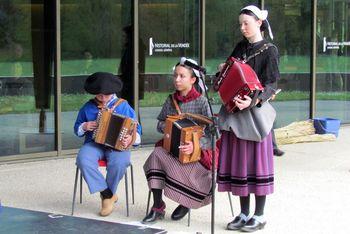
(98, 36)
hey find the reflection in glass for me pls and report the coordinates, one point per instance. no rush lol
(170, 29)
(222, 34)
(126, 68)
(92, 40)
(26, 77)
(222, 30)
(291, 25)
(333, 60)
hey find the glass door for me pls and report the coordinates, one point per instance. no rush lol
(333, 59)
(27, 45)
(168, 30)
(95, 36)
(291, 26)
(222, 34)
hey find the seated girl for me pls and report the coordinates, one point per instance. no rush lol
(188, 184)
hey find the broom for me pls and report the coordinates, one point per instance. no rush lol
(301, 128)
(298, 132)
(308, 138)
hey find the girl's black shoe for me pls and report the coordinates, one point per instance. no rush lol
(179, 212)
(154, 215)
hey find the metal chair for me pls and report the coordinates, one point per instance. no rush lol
(103, 163)
(189, 211)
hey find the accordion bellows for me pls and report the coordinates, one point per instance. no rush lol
(112, 128)
(178, 130)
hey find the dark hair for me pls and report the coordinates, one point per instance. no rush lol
(189, 68)
(263, 26)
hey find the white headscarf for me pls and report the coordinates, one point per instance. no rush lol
(195, 71)
(261, 14)
(184, 59)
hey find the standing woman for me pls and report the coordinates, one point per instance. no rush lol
(246, 166)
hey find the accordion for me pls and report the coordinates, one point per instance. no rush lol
(178, 130)
(112, 128)
(237, 79)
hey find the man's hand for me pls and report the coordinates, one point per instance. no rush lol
(126, 141)
(187, 147)
(90, 126)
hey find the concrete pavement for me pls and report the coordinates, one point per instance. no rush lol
(312, 191)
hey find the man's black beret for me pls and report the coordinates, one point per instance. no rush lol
(103, 83)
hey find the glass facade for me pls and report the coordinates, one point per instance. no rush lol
(99, 36)
(291, 25)
(333, 59)
(168, 31)
(222, 33)
(95, 36)
(27, 38)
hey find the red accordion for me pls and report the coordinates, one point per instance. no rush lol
(237, 79)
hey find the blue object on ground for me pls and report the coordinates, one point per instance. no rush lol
(327, 125)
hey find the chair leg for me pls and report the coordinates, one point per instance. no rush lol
(189, 218)
(132, 184)
(229, 198)
(148, 200)
(75, 189)
(127, 193)
(81, 187)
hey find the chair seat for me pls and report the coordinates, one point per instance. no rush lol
(102, 163)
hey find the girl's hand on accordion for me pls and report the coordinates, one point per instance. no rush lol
(89, 126)
(127, 140)
(243, 103)
(187, 147)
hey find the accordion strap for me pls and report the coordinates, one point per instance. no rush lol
(117, 103)
(260, 50)
(196, 145)
(176, 104)
(201, 119)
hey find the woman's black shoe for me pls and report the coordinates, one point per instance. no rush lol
(253, 225)
(179, 212)
(236, 224)
(277, 152)
(154, 215)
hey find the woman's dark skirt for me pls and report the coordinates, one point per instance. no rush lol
(245, 166)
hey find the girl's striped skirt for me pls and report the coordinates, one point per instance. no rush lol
(187, 184)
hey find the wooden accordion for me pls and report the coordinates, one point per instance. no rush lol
(112, 128)
(237, 79)
(178, 130)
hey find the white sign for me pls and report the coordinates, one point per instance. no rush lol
(161, 47)
(333, 45)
